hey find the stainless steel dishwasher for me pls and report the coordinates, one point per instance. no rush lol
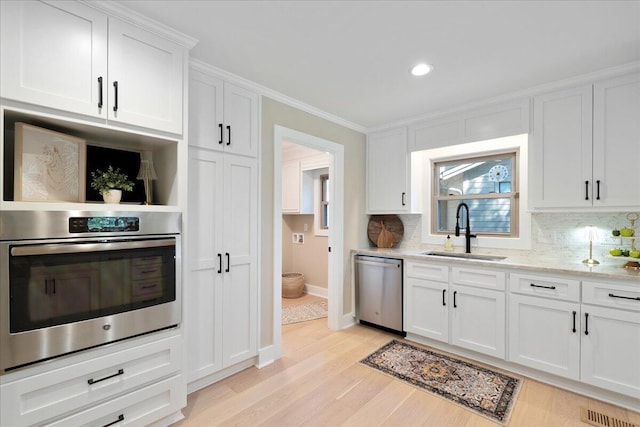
(379, 292)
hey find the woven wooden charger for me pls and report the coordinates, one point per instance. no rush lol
(392, 223)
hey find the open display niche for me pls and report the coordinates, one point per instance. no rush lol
(104, 146)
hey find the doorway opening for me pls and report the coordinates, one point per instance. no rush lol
(313, 158)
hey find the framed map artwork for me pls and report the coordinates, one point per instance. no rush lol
(49, 166)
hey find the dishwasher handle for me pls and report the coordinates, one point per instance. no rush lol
(378, 264)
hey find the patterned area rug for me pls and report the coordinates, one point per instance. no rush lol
(490, 393)
(303, 312)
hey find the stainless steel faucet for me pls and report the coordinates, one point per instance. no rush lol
(467, 231)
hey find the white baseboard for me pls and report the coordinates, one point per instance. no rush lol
(266, 356)
(316, 290)
(348, 320)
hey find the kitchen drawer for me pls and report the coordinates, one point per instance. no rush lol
(421, 270)
(611, 295)
(545, 286)
(52, 394)
(140, 408)
(478, 278)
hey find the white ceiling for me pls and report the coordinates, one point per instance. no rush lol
(352, 58)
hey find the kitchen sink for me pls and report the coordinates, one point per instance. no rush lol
(465, 256)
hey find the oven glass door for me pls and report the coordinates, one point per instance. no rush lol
(56, 284)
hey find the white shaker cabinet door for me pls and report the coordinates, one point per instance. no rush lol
(203, 264)
(426, 308)
(611, 349)
(545, 334)
(240, 292)
(205, 111)
(145, 78)
(240, 121)
(388, 172)
(478, 320)
(616, 141)
(53, 55)
(560, 165)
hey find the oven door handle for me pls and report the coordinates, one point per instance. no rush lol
(72, 248)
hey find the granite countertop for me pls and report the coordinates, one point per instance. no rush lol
(609, 267)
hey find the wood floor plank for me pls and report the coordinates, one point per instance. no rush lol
(319, 382)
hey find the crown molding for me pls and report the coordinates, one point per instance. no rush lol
(512, 96)
(125, 14)
(275, 95)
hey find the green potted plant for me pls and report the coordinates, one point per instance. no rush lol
(110, 183)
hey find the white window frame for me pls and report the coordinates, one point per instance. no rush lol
(427, 158)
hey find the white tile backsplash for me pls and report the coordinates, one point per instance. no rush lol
(549, 231)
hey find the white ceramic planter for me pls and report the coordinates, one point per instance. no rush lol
(112, 196)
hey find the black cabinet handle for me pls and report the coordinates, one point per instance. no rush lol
(444, 302)
(454, 299)
(586, 323)
(574, 323)
(598, 190)
(229, 139)
(622, 297)
(221, 133)
(586, 187)
(219, 263)
(533, 285)
(120, 418)
(46, 286)
(53, 284)
(115, 90)
(92, 381)
(228, 262)
(99, 92)
(404, 197)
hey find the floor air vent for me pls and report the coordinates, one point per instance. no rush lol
(602, 420)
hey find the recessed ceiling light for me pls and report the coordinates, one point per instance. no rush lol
(421, 69)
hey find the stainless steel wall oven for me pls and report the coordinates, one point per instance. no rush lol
(70, 281)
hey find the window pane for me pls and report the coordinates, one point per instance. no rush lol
(479, 176)
(325, 216)
(485, 215)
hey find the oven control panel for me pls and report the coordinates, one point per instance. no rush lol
(103, 224)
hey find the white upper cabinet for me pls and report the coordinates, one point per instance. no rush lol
(586, 146)
(560, 173)
(145, 78)
(616, 141)
(53, 54)
(388, 172)
(227, 114)
(70, 57)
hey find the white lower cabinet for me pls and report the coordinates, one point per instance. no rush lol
(471, 316)
(478, 320)
(545, 334)
(611, 337)
(426, 311)
(114, 378)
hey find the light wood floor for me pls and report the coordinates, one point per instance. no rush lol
(318, 382)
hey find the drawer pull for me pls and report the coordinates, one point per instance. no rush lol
(620, 296)
(148, 271)
(574, 323)
(454, 299)
(533, 285)
(149, 286)
(444, 291)
(120, 418)
(92, 381)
